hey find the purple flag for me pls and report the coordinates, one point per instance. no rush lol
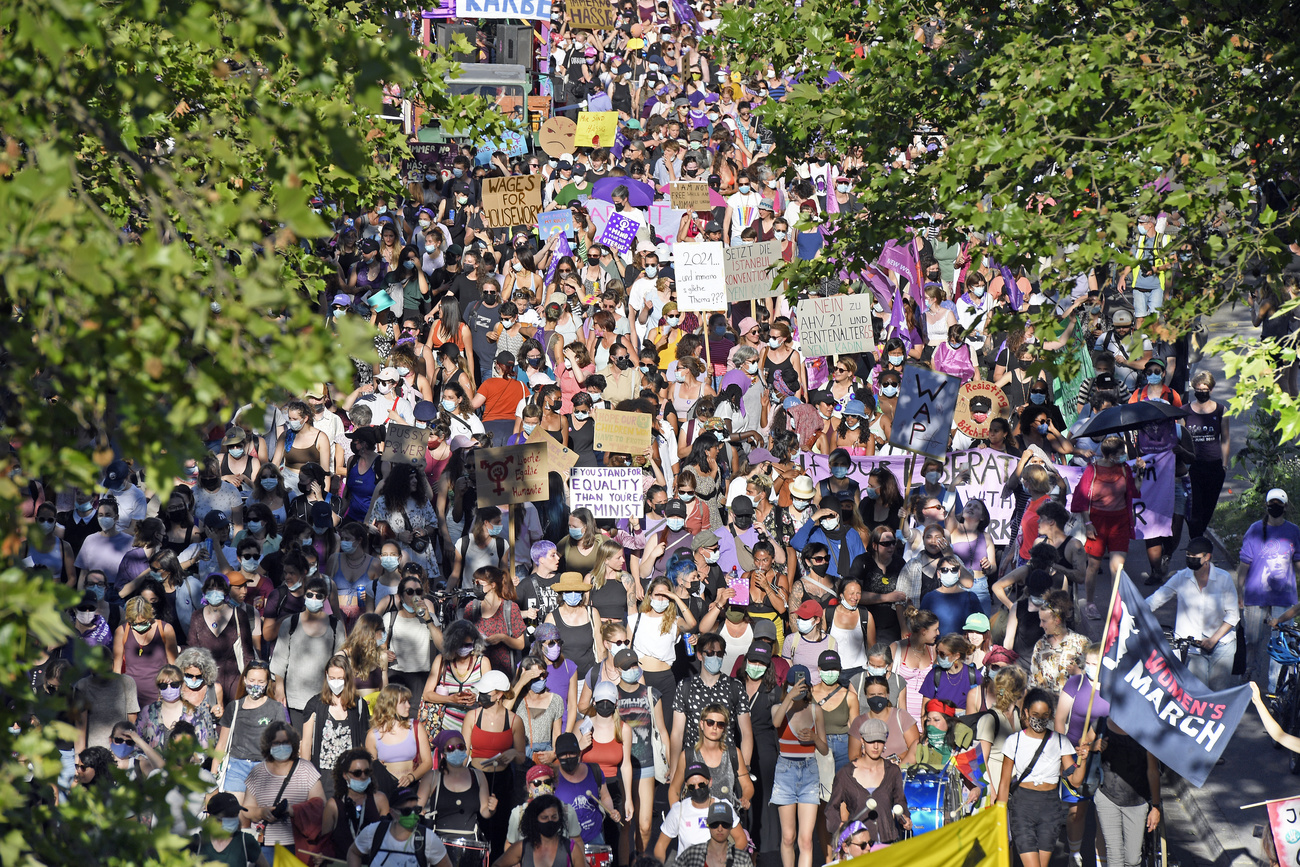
(914, 281)
(685, 13)
(562, 249)
(879, 283)
(1014, 295)
(898, 326)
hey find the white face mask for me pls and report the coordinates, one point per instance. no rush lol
(805, 626)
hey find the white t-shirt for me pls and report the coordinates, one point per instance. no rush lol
(391, 853)
(132, 505)
(685, 821)
(1047, 770)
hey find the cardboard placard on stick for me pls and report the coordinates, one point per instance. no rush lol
(609, 492)
(690, 196)
(591, 14)
(838, 325)
(428, 153)
(512, 201)
(559, 459)
(556, 136)
(513, 474)
(596, 129)
(978, 403)
(701, 276)
(923, 419)
(747, 271)
(405, 444)
(555, 223)
(622, 432)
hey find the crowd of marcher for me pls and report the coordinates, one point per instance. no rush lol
(798, 650)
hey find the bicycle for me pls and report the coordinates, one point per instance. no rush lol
(1180, 645)
(1284, 649)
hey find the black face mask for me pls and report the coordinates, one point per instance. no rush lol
(569, 764)
(534, 363)
(210, 484)
(484, 699)
(593, 260)
(700, 794)
(819, 569)
(549, 829)
(555, 407)
(623, 362)
(742, 522)
(1193, 562)
(878, 703)
(1202, 396)
(606, 708)
(1275, 510)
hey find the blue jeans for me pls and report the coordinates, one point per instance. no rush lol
(1147, 302)
(67, 772)
(237, 773)
(1214, 667)
(981, 590)
(839, 745)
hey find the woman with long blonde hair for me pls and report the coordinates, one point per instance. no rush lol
(610, 581)
(366, 651)
(400, 747)
(656, 627)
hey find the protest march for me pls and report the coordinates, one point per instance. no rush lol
(624, 549)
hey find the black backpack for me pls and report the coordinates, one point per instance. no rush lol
(381, 833)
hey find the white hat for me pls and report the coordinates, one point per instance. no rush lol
(530, 317)
(1276, 494)
(493, 681)
(389, 373)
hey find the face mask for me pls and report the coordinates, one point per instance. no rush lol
(457, 758)
(538, 686)
(606, 708)
(889, 391)
(123, 751)
(676, 524)
(358, 786)
(85, 618)
(949, 577)
(840, 472)
(107, 523)
(269, 484)
(774, 342)
(1275, 510)
(978, 291)
(896, 360)
(944, 662)
(830, 524)
(249, 564)
(550, 829)
(409, 822)
(712, 558)
(932, 478)
(843, 188)
(573, 600)
(1154, 378)
(686, 497)
(713, 664)
(1042, 428)
(390, 562)
(1039, 724)
(935, 736)
(295, 425)
(46, 526)
(214, 597)
(651, 270)
(142, 628)
(752, 367)
(742, 522)
(877, 703)
(805, 626)
(581, 416)
(193, 682)
(830, 677)
(659, 606)
(315, 606)
(1037, 397)
(673, 320)
(495, 529)
(98, 591)
(779, 235)
(552, 652)
(85, 507)
(1202, 396)
(254, 690)
(819, 569)
(170, 693)
(575, 533)
(755, 671)
(230, 826)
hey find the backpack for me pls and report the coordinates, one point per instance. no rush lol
(501, 549)
(381, 834)
(333, 624)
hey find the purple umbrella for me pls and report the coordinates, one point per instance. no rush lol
(639, 195)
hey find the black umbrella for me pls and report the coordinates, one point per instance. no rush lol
(1128, 416)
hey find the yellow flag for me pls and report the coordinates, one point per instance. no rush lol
(975, 841)
(285, 858)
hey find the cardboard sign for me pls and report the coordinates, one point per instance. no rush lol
(838, 325)
(556, 136)
(690, 196)
(532, 10)
(664, 217)
(619, 233)
(990, 403)
(622, 432)
(609, 492)
(923, 418)
(428, 153)
(701, 276)
(747, 274)
(591, 14)
(596, 129)
(514, 474)
(512, 144)
(1284, 820)
(512, 201)
(405, 444)
(555, 223)
(559, 459)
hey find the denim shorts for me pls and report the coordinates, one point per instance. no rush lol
(237, 773)
(1146, 302)
(796, 781)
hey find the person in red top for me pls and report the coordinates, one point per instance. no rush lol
(1038, 484)
(499, 396)
(1104, 497)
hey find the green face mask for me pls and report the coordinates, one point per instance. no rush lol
(830, 678)
(935, 737)
(755, 672)
(409, 822)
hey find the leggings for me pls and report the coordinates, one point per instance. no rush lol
(1124, 828)
(1207, 482)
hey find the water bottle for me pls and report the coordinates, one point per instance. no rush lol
(690, 651)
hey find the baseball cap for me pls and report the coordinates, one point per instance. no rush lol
(828, 660)
(604, 691)
(341, 300)
(713, 226)
(742, 505)
(321, 514)
(567, 744)
(425, 410)
(626, 658)
(494, 681)
(116, 473)
(505, 358)
(389, 374)
(720, 814)
(234, 436)
(976, 623)
(704, 539)
(224, 805)
(369, 245)
(1121, 317)
(698, 769)
(763, 629)
(1277, 495)
(760, 653)
(874, 731)
(216, 520)
(809, 609)
(761, 455)
(369, 434)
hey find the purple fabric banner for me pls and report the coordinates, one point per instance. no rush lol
(562, 249)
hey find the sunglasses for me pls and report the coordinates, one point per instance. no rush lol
(169, 684)
(408, 592)
(314, 595)
(545, 781)
(360, 775)
(713, 654)
(713, 723)
(553, 643)
(79, 766)
(888, 543)
(841, 370)
(819, 559)
(121, 741)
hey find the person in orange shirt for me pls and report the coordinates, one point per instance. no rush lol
(499, 397)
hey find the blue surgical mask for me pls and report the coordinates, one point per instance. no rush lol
(347, 546)
(390, 562)
(1037, 397)
(449, 405)
(529, 428)
(123, 751)
(281, 752)
(943, 662)
(686, 498)
(713, 664)
(840, 472)
(896, 360)
(1154, 378)
(495, 529)
(358, 786)
(214, 597)
(581, 416)
(457, 172)
(97, 591)
(573, 600)
(230, 825)
(575, 533)
(456, 758)
(315, 606)
(631, 675)
(269, 483)
(932, 478)
(1043, 428)
(106, 522)
(254, 526)
(249, 564)
(889, 390)
(538, 686)
(676, 524)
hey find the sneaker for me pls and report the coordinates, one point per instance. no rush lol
(1090, 611)
(1076, 859)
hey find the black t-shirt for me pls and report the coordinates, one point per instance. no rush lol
(481, 319)
(538, 594)
(872, 580)
(466, 290)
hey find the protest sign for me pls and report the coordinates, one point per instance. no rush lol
(556, 136)
(1154, 506)
(609, 492)
(555, 223)
(619, 232)
(428, 153)
(595, 129)
(701, 276)
(1155, 699)
(666, 220)
(511, 143)
(514, 474)
(591, 14)
(559, 458)
(405, 444)
(838, 325)
(923, 418)
(690, 196)
(978, 840)
(622, 432)
(978, 403)
(747, 274)
(981, 474)
(1284, 821)
(532, 10)
(512, 201)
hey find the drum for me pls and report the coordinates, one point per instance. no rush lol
(599, 856)
(467, 851)
(933, 799)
